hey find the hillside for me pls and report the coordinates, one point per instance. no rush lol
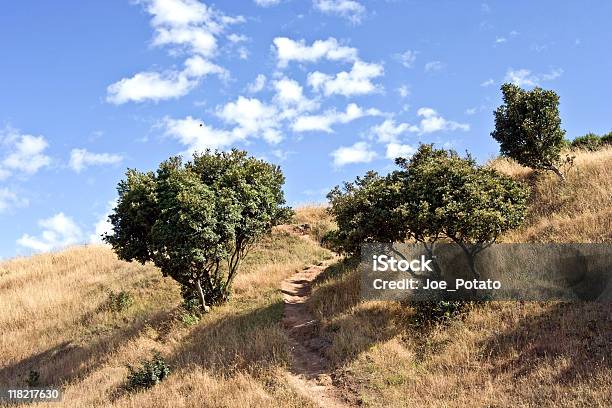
(56, 321)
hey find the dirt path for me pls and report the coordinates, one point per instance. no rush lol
(309, 372)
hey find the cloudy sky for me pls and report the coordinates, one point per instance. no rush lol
(325, 88)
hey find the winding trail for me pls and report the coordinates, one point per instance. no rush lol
(309, 373)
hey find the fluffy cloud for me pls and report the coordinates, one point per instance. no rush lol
(360, 152)
(252, 117)
(81, 158)
(432, 122)
(288, 50)
(389, 131)
(524, 77)
(325, 121)
(58, 231)
(24, 154)
(103, 225)
(488, 82)
(403, 91)
(349, 9)
(358, 81)
(257, 85)
(196, 135)
(186, 26)
(290, 97)
(9, 199)
(395, 150)
(155, 86)
(406, 58)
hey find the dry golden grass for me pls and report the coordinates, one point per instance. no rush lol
(579, 210)
(54, 321)
(502, 354)
(317, 217)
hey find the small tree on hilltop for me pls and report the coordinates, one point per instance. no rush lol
(364, 212)
(528, 128)
(446, 195)
(197, 221)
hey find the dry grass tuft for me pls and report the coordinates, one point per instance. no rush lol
(317, 217)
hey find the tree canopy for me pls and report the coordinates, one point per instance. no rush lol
(197, 220)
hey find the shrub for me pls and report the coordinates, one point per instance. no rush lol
(119, 301)
(196, 221)
(590, 142)
(427, 313)
(444, 195)
(528, 128)
(33, 379)
(150, 373)
(364, 211)
(606, 140)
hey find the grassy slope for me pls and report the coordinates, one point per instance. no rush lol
(505, 354)
(53, 321)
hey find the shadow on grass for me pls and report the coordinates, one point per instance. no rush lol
(67, 361)
(222, 343)
(579, 334)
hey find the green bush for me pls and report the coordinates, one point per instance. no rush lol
(427, 313)
(606, 140)
(528, 128)
(150, 373)
(590, 142)
(119, 301)
(197, 220)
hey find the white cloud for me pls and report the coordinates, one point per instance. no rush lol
(358, 81)
(434, 66)
(290, 97)
(524, 77)
(103, 226)
(81, 158)
(406, 58)
(395, 150)
(196, 135)
(188, 27)
(471, 111)
(156, 86)
(288, 50)
(325, 121)
(389, 131)
(349, 9)
(58, 231)
(253, 118)
(24, 154)
(488, 82)
(257, 85)
(237, 38)
(9, 199)
(267, 3)
(360, 152)
(432, 122)
(500, 40)
(403, 91)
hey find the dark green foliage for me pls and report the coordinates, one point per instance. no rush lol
(606, 140)
(33, 379)
(528, 128)
(590, 141)
(427, 313)
(364, 212)
(149, 374)
(196, 221)
(119, 301)
(444, 195)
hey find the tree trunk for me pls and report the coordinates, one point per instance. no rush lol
(205, 308)
(558, 173)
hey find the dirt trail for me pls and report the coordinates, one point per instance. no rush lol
(309, 371)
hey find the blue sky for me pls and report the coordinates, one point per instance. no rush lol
(325, 88)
